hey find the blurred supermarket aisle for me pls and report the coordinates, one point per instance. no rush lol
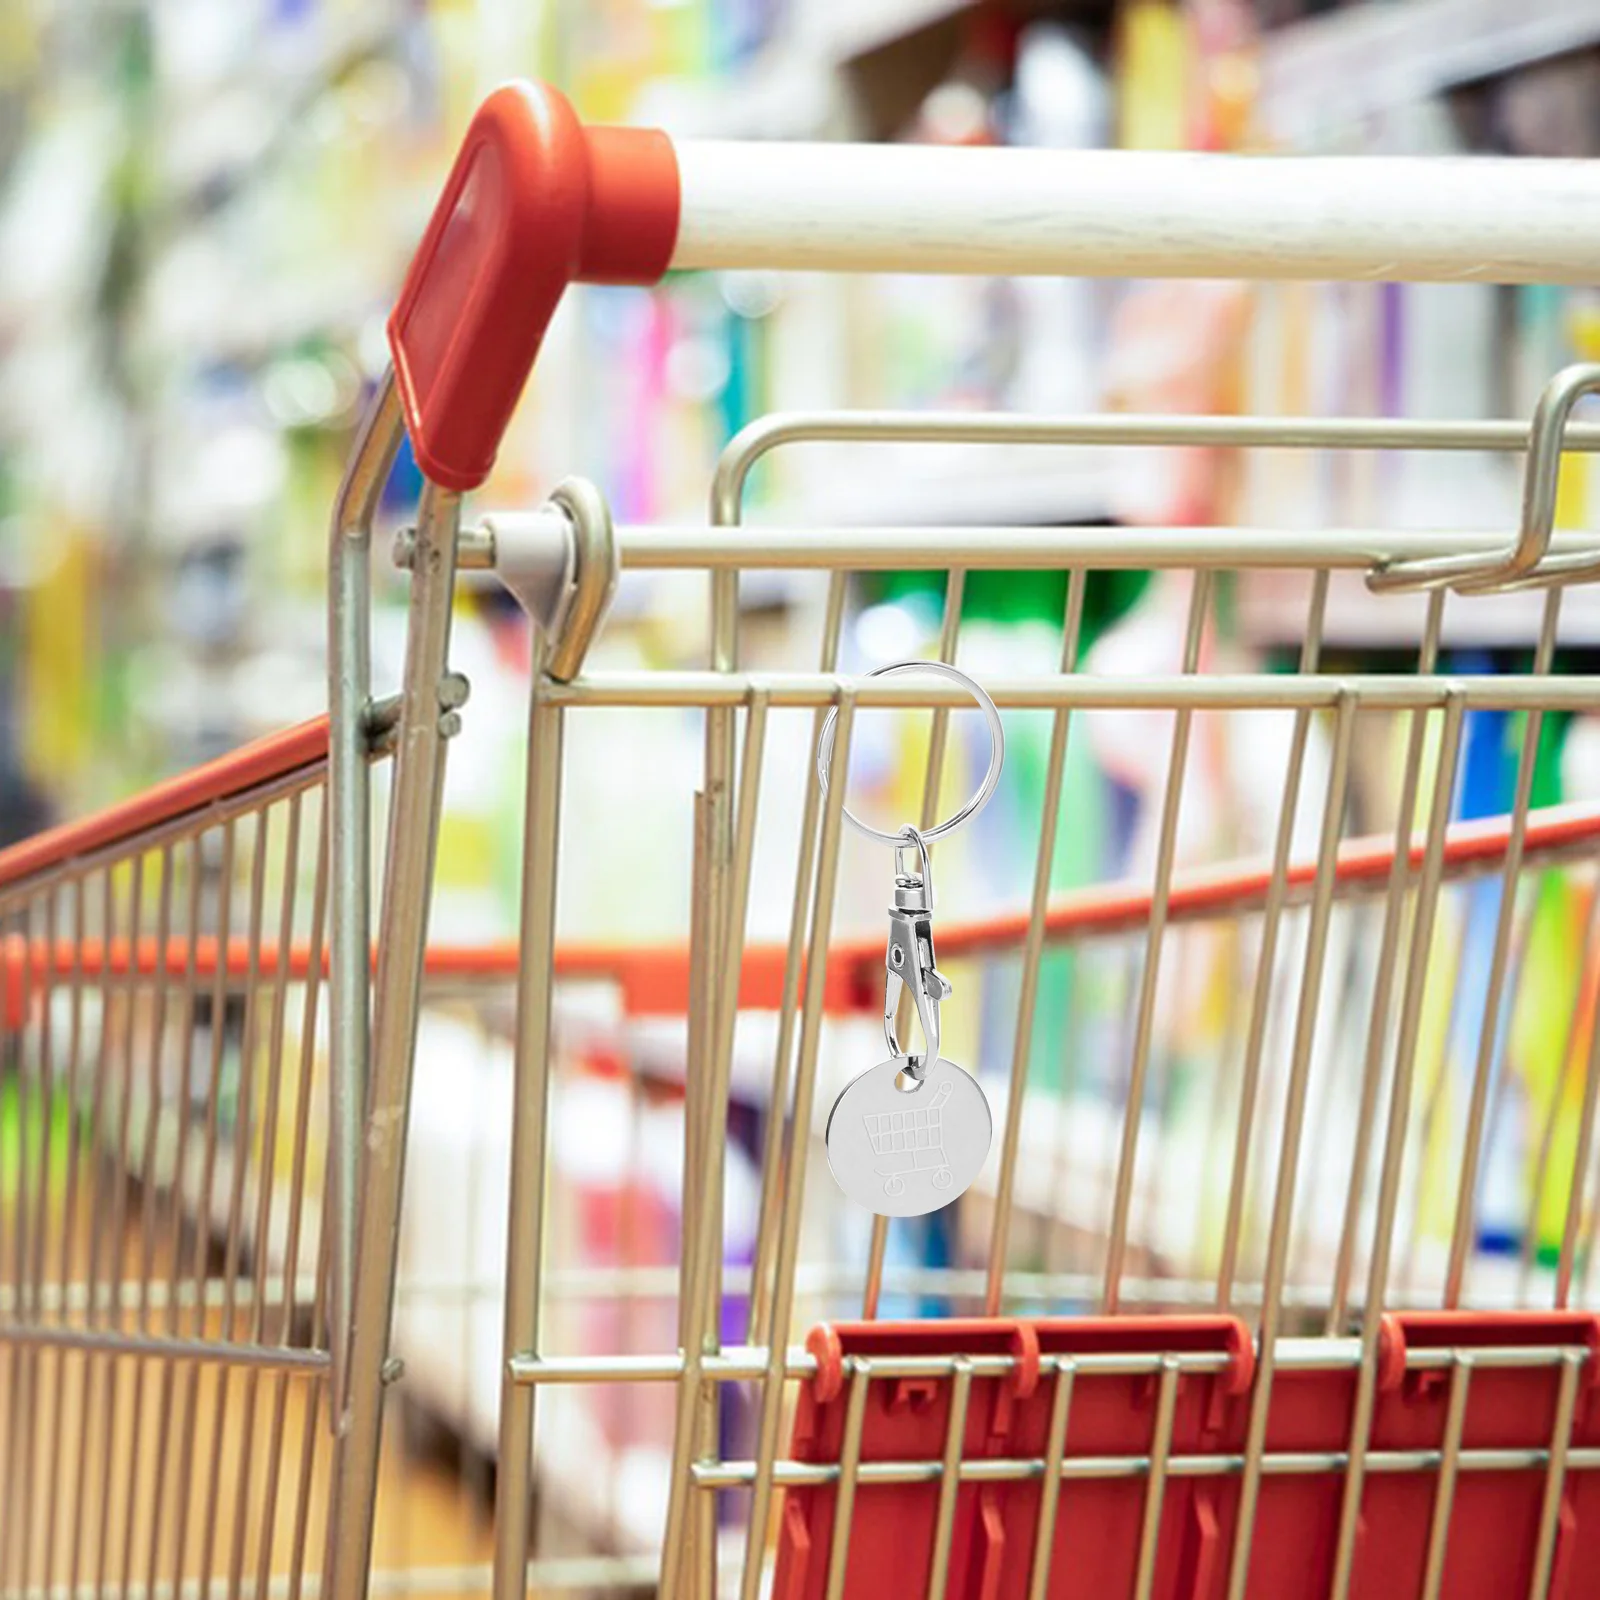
(205, 211)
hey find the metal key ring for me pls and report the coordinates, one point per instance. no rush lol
(980, 797)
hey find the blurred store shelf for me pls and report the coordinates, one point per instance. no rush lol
(972, 484)
(798, 86)
(1272, 611)
(1326, 75)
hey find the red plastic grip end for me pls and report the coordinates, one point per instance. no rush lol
(534, 202)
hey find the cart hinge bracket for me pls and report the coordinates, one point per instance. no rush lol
(559, 563)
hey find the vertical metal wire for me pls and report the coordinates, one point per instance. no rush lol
(261, 1233)
(240, 1160)
(320, 1394)
(119, 1189)
(529, 1138)
(297, 1180)
(181, 1105)
(1133, 1111)
(193, 1389)
(950, 1477)
(844, 1500)
(1266, 959)
(158, 1017)
(713, 870)
(12, 1372)
(1489, 1034)
(54, 1470)
(474, 1472)
(1555, 1475)
(772, 1143)
(702, 1255)
(47, 1103)
(1395, 1137)
(1033, 949)
(700, 1211)
(788, 1218)
(21, 1365)
(1289, 1147)
(1044, 1536)
(377, 442)
(1387, 964)
(731, 956)
(1156, 1484)
(422, 733)
(1444, 1493)
(160, 986)
(933, 773)
(91, 1368)
(698, 1025)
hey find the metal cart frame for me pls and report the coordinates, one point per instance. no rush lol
(537, 202)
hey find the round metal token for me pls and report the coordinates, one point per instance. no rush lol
(901, 1152)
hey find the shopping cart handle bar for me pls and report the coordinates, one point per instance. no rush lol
(926, 208)
(536, 202)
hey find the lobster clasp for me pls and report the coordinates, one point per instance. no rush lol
(909, 959)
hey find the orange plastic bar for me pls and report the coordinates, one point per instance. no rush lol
(654, 979)
(279, 755)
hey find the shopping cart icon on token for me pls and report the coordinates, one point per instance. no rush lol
(910, 1141)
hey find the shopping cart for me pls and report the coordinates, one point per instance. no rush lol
(1185, 1344)
(910, 1141)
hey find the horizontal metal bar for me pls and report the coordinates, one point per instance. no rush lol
(937, 548)
(133, 1294)
(797, 1474)
(661, 1283)
(556, 1573)
(819, 1279)
(217, 1352)
(952, 1283)
(1224, 692)
(745, 1363)
(1134, 428)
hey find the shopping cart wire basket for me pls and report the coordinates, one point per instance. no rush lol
(1217, 1319)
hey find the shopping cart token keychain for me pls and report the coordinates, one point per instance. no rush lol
(910, 1134)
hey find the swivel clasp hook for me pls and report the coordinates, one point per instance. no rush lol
(909, 959)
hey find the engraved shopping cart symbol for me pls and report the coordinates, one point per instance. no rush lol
(910, 1141)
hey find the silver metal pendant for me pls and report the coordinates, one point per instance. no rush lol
(905, 1137)
(902, 1152)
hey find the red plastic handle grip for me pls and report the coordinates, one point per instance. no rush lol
(534, 202)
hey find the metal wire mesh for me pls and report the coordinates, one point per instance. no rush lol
(162, 1340)
(1317, 1151)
